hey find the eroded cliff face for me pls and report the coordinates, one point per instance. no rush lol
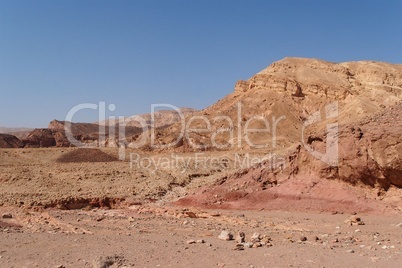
(292, 89)
(369, 165)
(369, 151)
(362, 104)
(325, 79)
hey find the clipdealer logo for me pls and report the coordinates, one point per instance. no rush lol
(237, 129)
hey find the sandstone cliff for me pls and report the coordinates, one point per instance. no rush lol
(356, 104)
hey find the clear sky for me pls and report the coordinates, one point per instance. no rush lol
(189, 53)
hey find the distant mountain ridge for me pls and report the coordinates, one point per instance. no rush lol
(161, 118)
(19, 132)
(14, 129)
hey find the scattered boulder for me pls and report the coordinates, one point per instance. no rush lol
(104, 262)
(354, 220)
(7, 216)
(257, 245)
(239, 246)
(248, 244)
(225, 235)
(256, 237)
(302, 238)
(240, 238)
(108, 261)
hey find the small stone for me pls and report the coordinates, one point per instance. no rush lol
(384, 247)
(256, 237)
(200, 241)
(7, 216)
(355, 218)
(302, 238)
(266, 239)
(240, 238)
(399, 225)
(239, 246)
(257, 245)
(358, 231)
(248, 245)
(103, 262)
(348, 222)
(190, 242)
(225, 235)
(324, 235)
(350, 251)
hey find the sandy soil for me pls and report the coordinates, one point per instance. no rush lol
(106, 214)
(157, 237)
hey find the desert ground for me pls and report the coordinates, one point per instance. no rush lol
(63, 208)
(319, 184)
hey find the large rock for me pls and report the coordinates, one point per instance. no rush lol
(9, 141)
(40, 137)
(370, 151)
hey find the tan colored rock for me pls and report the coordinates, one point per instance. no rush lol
(240, 238)
(225, 235)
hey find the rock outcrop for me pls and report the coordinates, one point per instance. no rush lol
(9, 141)
(80, 134)
(39, 138)
(158, 119)
(286, 94)
(354, 108)
(370, 151)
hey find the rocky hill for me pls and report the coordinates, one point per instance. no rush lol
(320, 135)
(20, 133)
(158, 119)
(352, 108)
(294, 89)
(85, 134)
(9, 141)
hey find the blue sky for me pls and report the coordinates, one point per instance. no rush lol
(57, 54)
